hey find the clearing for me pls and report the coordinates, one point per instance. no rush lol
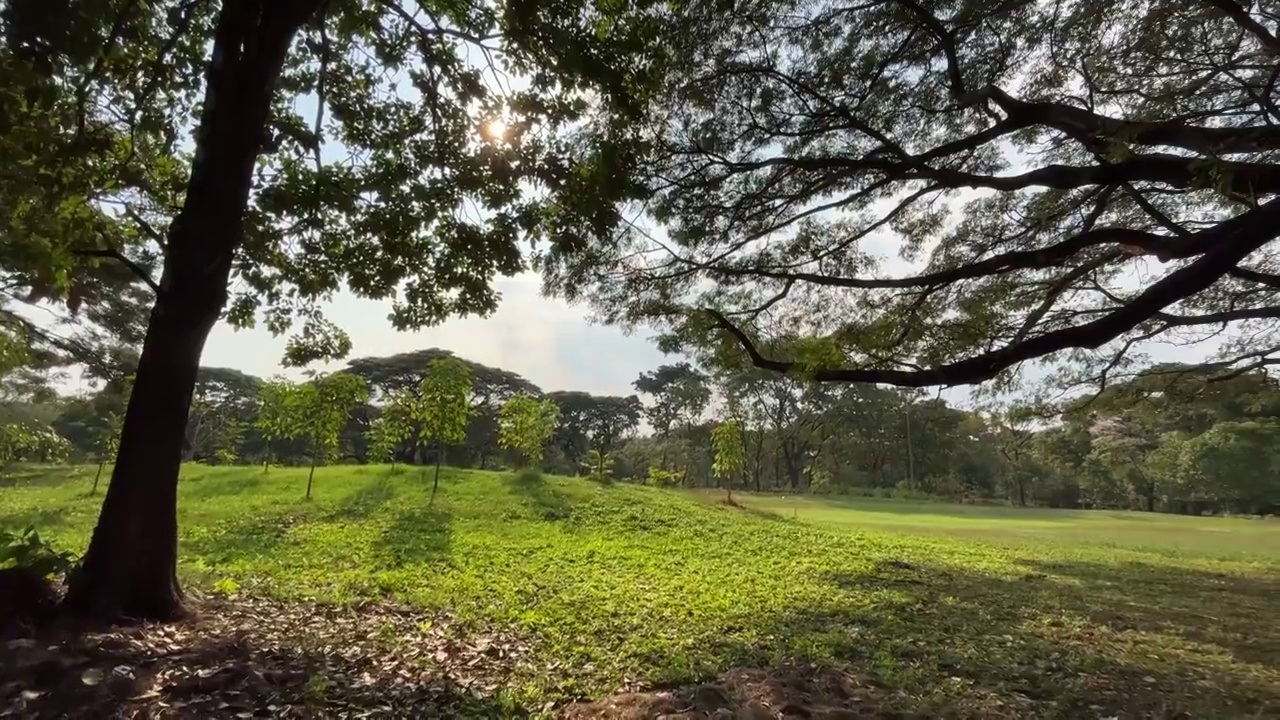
(519, 597)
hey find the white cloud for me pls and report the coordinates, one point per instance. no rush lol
(547, 341)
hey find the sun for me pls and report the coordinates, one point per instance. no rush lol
(495, 130)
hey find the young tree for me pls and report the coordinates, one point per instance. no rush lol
(444, 407)
(111, 95)
(274, 421)
(319, 411)
(730, 455)
(107, 445)
(381, 448)
(525, 424)
(598, 466)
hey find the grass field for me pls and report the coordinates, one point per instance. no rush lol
(946, 609)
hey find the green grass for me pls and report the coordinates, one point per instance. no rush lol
(967, 610)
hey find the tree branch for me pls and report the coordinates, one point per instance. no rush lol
(134, 267)
(1186, 281)
(1241, 16)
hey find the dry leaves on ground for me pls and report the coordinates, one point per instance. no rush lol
(255, 657)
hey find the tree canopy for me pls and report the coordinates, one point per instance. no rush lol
(937, 192)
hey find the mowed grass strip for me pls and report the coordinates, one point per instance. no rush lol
(962, 609)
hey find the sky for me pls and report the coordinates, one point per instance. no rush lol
(548, 341)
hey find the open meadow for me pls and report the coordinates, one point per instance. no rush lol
(586, 589)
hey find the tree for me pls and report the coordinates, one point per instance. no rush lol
(444, 407)
(225, 402)
(680, 395)
(400, 377)
(1124, 446)
(525, 425)
(591, 421)
(21, 442)
(274, 422)
(1236, 465)
(107, 445)
(731, 457)
(392, 428)
(318, 412)
(1024, 163)
(598, 466)
(185, 119)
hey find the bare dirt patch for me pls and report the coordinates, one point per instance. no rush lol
(755, 694)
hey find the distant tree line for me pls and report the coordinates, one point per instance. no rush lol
(1170, 440)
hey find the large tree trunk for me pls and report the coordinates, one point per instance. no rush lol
(129, 570)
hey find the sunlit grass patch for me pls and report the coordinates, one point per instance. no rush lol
(962, 608)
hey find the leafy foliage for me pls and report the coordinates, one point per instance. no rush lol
(319, 410)
(598, 467)
(525, 425)
(933, 194)
(730, 456)
(658, 477)
(20, 442)
(26, 549)
(444, 408)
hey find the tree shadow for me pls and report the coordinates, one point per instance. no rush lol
(250, 536)
(540, 496)
(203, 487)
(23, 476)
(41, 519)
(965, 644)
(1208, 608)
(366, 500)
(242, 668)
(942, 508)
(417, 536)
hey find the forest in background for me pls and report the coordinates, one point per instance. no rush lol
(1169, 441)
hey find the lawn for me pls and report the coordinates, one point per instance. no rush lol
(940, 609)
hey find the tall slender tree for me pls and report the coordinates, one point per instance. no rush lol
(444, 407)
(319, 410)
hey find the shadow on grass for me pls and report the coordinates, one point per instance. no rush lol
(248, 537)
(1213, 609)
(541, 497)
(417, 536)
(1094, 641)
(37, 476)
(717, 498)
(202, 487)
(366, 500)
(227, 674)
(40, 519)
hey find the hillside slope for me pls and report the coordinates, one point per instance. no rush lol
(620, 586)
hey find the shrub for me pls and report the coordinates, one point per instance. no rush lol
(27, 550)
(664, 478)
